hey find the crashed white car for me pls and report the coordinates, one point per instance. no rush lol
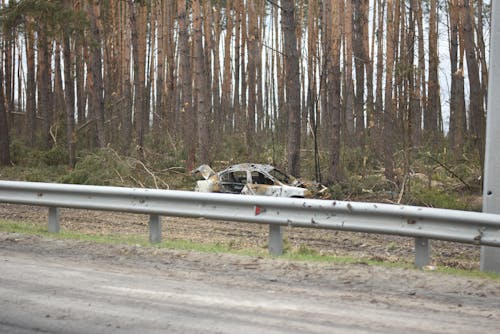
(250, 179)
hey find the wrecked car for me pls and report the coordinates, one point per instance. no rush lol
(250, 179)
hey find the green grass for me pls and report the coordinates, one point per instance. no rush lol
(33, 229)
(303, 253)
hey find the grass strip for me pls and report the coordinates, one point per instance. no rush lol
(301, 254)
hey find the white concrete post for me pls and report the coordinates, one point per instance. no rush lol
(490, 256)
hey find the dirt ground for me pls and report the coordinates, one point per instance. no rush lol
(83, 286)
(251, 236)
(372, 298)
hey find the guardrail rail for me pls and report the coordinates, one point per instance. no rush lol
(420, 223)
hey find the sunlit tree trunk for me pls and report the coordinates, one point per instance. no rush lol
(457, 127)
(390, 117)
(350, 113)
(253, 54)
(333, 130)
(226, 105)
(431, 126)
(200, 86)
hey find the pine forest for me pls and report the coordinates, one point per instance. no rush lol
(334, 91)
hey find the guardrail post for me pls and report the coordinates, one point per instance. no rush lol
(53, 220)
(154, 229)
(275, 240)
(422, 252)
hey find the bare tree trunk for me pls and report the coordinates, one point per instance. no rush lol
(159, 109)
(389, 112)
(95, 70)
(333, 10)
(457, 127)
(415, 115)
(69, 101)
(58, 104)
(476, 106)
(281, 113)
(216, 81)
(138, 14)
(350, 112)
(482, 51)
(30, 129)
(379, 100)
(171, 90)
(43, 83)
(185, 82)
(226, 114)
(434, 107)
(292, 79)
(253, 54)
(362, 63)
(200, 85)
(126, 133)
(420, 83)
(4, 125)
(8, 71)
(312, 104)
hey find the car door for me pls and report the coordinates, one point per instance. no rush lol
(262, 184)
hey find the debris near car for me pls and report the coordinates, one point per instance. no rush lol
(254, 179)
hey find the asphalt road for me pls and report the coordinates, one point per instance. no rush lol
(64, 292)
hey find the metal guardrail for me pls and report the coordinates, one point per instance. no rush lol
(418, 222)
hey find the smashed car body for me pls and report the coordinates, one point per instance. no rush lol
(250, 179)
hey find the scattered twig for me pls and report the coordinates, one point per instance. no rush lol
(149, 172)
(117, 173)
(442, 164)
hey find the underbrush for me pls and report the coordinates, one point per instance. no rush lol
(423, 179)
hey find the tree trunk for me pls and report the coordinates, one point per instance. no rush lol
(4, 125)
(253, 54)
(379, 100)
(236, 115)
(94, 68)
(30, 129)
(415, 115)
(334, 90)
(159, 109)
(390, 117)
(434, 107)
(138, 13)
(226, 114)
(44, 91)
(202, 106)
(457, 127)
(420, 82)
(185, 82)
(292, 80)
(69, 101)
(350, 112)
(476, 106)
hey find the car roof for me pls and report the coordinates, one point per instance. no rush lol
(249, 167)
